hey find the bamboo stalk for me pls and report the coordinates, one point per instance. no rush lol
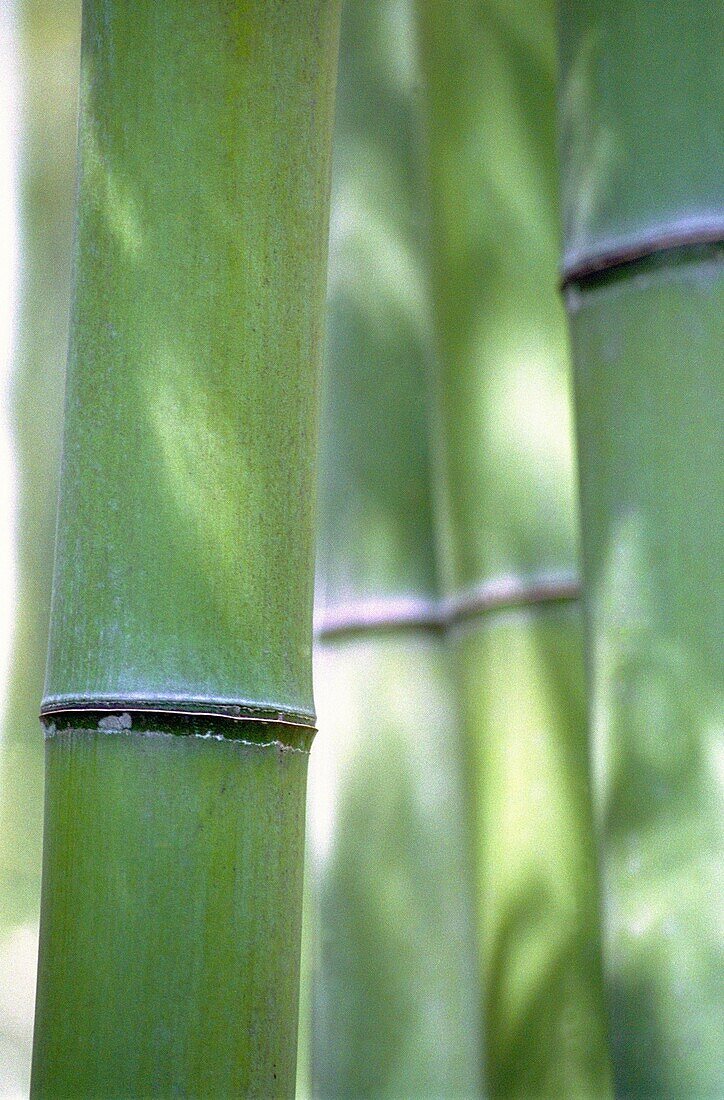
(393, 957)
(506, 522)
(641, 188)
(178, 706)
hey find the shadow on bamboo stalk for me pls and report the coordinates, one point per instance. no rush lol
(642, 261)
(505, 497)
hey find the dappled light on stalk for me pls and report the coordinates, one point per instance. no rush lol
(381, 266)
(504, 476)
(642, 219)
(375, 498)
(522, 681)
(205, 305)
(396, 1009)
(392, 958)
(657, 728)
(182, 599)
(527, 423)
(114, 198)
(447, 477)
(494, 231)
(378, 311)
(207, 478)
(504, 899)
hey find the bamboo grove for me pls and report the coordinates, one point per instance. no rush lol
(513, 816)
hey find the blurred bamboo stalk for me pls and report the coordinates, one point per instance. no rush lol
(178, 707)
(505, 507)
(447, 568)
(393, 960)
(640, 104)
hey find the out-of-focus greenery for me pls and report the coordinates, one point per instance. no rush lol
(47, 38)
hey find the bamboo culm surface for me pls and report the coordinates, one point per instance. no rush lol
(392, 940)
(640, 107)
(178, 707)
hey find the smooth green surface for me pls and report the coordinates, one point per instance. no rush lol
(506, 510)
(391, 955)
(648, 352)
(185, 542)
(376, 524)
(397, 1010)
(504, 492)
(642, 87)
(171, 916)
(521, 684)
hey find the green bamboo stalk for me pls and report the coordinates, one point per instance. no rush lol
(392, 960)
(507, 543)
(178, 706)
(396, 1008)
(641, 184)
(43, 100)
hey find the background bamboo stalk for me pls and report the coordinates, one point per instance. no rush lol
(504, 495)
(641, 182)
(178, 704)
(396, 1004)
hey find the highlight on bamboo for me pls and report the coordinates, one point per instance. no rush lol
(362, 494)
